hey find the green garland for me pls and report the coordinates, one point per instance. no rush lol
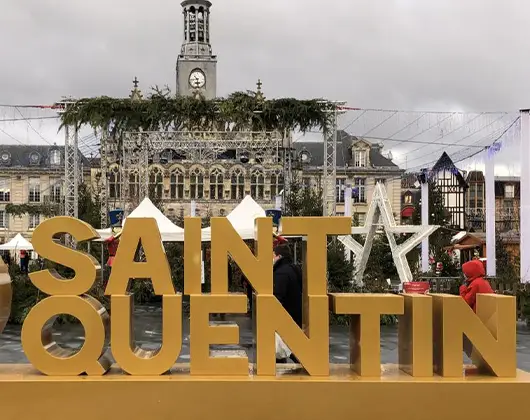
(45, 210)
(161, 111)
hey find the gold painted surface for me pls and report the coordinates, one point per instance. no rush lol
(86, 267)
(257, 267)
(394, 396)
(6, 295)
(155, 266)
(192, 256)
(365, 329)
(135, 360)
(202, 335)
(310, 347)
(415, 336)
(317, 230)
(492, 331)
(44, 353)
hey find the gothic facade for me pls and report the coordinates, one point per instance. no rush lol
(214, 189)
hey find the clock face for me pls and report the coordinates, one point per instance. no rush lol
(197, 79)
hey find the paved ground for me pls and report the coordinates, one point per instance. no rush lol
(148, 335)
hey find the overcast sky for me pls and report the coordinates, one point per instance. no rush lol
(469, 55)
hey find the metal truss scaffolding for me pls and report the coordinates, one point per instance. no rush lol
(71, 172)
(71, 163)
(329, 180)
(104, 192)
(71, 167)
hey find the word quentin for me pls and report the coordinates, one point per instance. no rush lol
(430, 327)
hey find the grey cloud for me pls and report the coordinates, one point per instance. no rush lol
(403, 54)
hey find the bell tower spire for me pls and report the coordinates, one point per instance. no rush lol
(196, 64)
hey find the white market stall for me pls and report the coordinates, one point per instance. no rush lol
(169, 231)
(17, 243)
(242, 219)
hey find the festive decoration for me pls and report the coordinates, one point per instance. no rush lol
(380, 209)
(161, 111)
(45, 210)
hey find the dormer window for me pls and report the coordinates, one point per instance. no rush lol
(55, 157)
(5, 158)
(305, 156)
(34, 158)
(360, 158)
(509, 192)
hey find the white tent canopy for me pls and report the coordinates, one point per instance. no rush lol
(17, 243)
(242, 219)
(169, 231)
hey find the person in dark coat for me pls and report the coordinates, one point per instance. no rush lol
(287, 282)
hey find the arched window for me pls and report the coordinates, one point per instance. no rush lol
(115, 183)
(216, 184)
(276, 183)
(197, 184)
(177, 184)
(238, 184)
(156, 182)
(134, 184)
(257, 184)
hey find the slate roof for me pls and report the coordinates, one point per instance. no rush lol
(446, 163)
(344, 153)
(19, 156)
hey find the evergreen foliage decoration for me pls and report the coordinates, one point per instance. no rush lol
(46, 210)
(240, 111)
(508, 266)
(301, 201)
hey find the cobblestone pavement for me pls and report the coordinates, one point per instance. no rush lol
(148, 324)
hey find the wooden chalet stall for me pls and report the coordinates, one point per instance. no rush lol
(468, 245)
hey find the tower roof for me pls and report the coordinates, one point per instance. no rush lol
(136, 93)
(205, 3)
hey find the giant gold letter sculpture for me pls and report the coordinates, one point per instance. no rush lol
(156, 266)
(37, 339)
(85, 266)
(365, 330)
(44, 353)
(492, 331)
(257, 268)
(311, 347)
(134, 360)
(415, 336)
(203, 335)
(192, 256)
(317, 230)
(131, 358)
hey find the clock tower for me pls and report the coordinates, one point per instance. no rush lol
(196, 65)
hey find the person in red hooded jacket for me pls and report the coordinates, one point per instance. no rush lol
(475, 282)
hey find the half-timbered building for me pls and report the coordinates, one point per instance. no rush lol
(452, 185)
